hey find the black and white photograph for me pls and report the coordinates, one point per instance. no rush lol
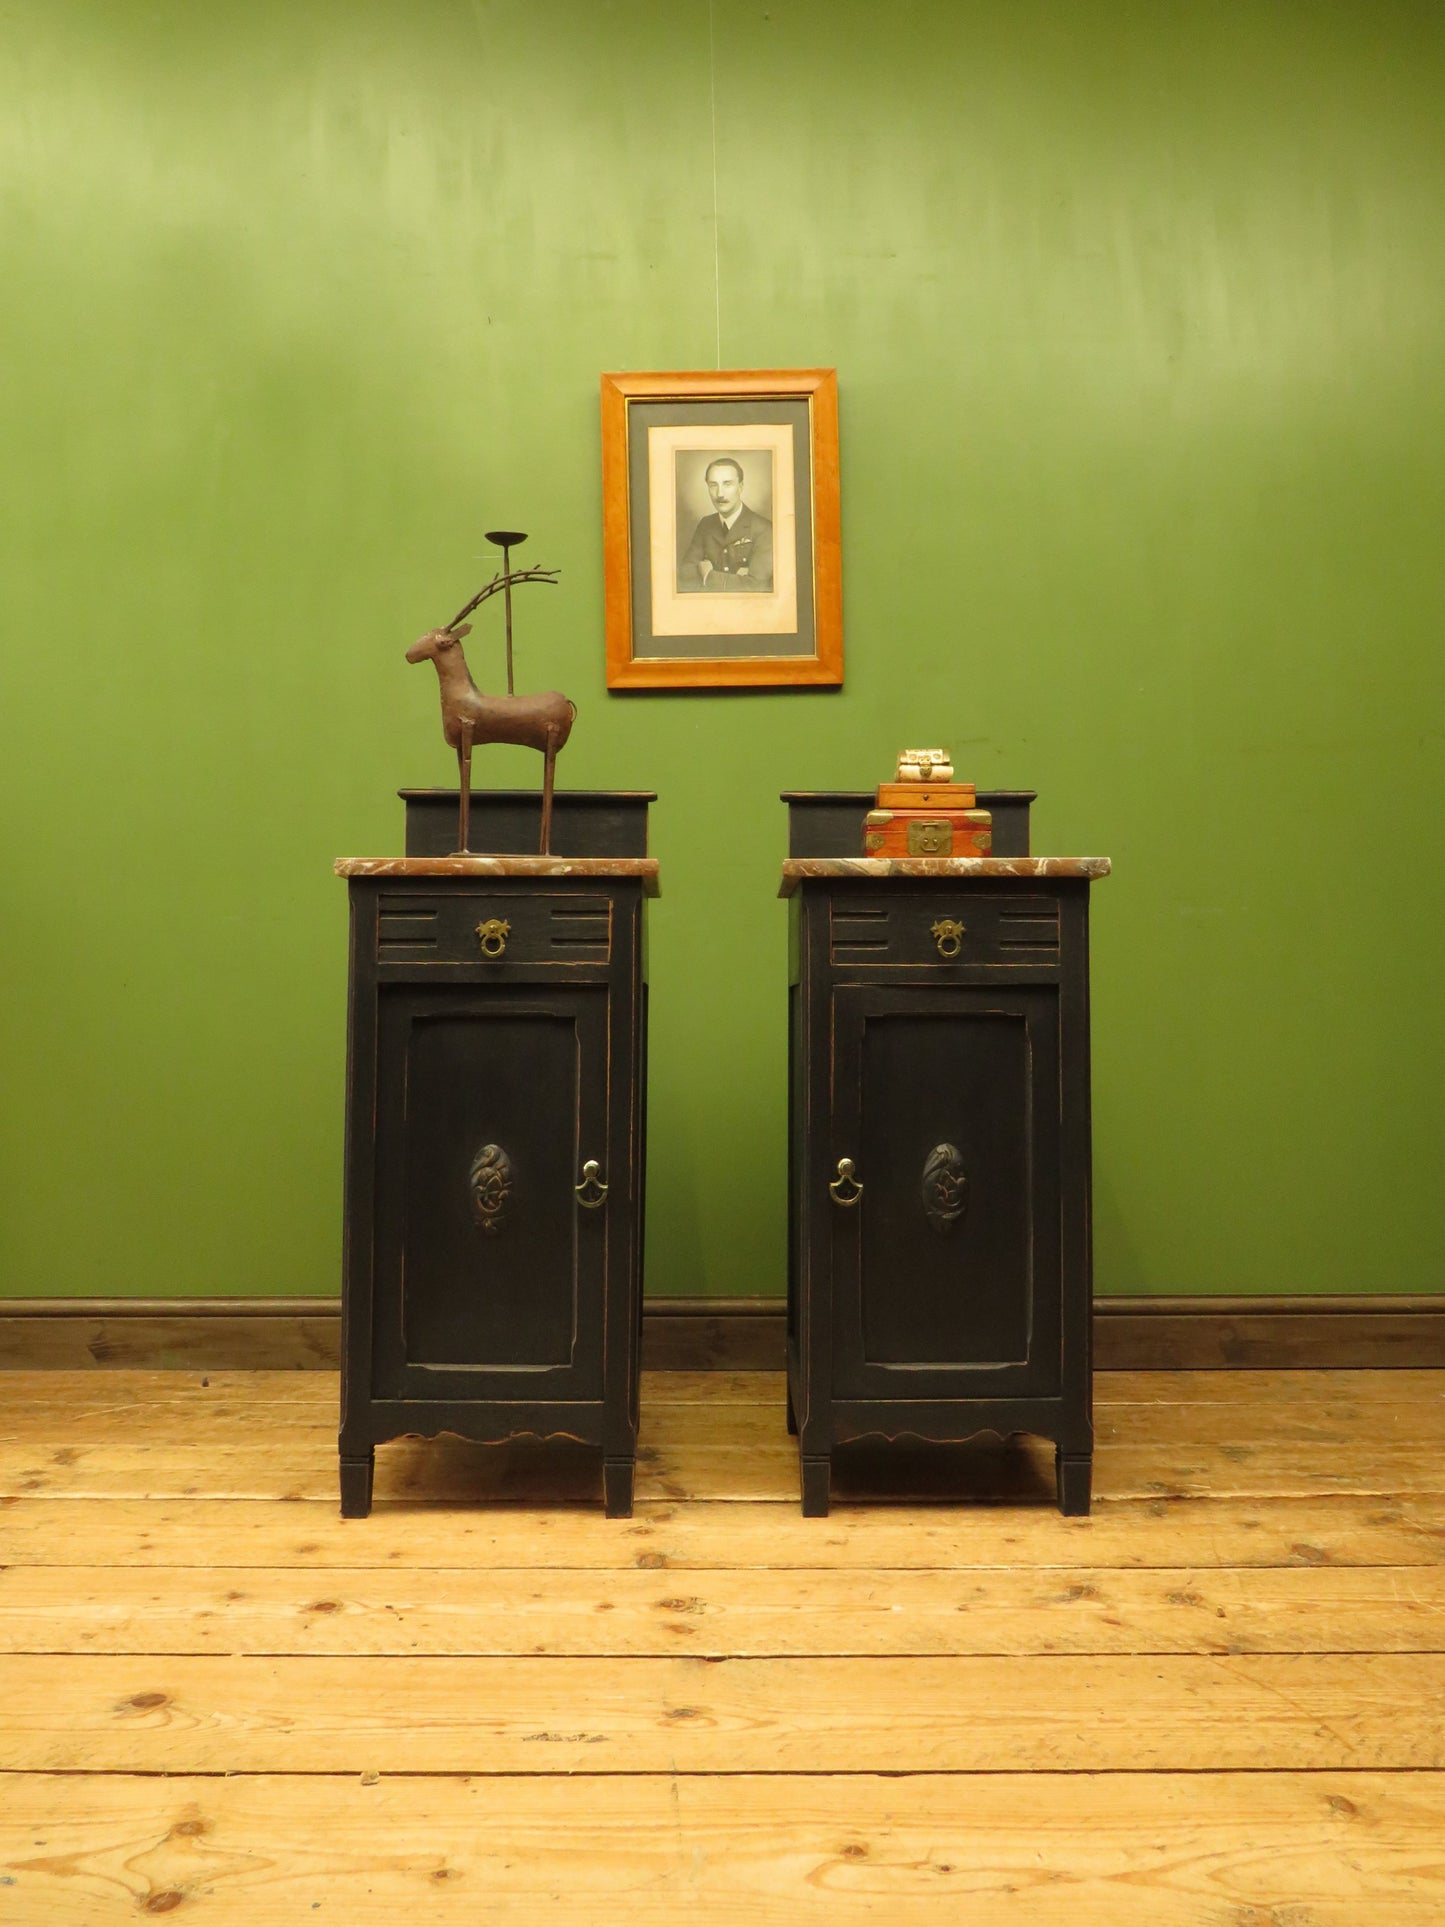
(730, 548)
(730, 555)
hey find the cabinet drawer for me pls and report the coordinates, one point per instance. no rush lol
(492, 926)
(943, 928)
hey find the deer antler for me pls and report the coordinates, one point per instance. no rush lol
(499, 581)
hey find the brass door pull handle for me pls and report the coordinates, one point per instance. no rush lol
(845, 1177)
(494, 934)
(591, 1191)
(948, 934)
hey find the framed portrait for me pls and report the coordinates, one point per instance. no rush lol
(720, 529)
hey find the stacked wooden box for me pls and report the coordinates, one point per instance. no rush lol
(923, 812)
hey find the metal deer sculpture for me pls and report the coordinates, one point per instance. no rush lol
(469, 716)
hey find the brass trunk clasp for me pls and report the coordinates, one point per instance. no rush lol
(930, 837)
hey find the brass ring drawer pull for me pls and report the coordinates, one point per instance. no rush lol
(591, 1191)
(948, 933)
(494, 934)
(845, 1177)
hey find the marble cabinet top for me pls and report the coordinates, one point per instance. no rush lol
(644, 867)
(798, 869)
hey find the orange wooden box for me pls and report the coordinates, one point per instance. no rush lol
(926, 796)
(927, 833)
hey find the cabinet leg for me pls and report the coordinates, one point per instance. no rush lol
(792, 1416)
(356, 1474)
(816, 1474)
(1074, 1473)
(617, 1487)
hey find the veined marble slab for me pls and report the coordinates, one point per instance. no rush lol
(797, 869)
(644, 867)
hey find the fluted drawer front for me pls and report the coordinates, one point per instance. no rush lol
(490, 925)
(944, 928)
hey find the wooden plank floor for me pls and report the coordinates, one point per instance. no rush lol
(1217, 1702)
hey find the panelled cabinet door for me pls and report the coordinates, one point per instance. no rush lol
(946, 1241)
(489, 1263)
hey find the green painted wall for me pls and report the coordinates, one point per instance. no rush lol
(1137, 309)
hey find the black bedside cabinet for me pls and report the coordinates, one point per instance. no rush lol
(492, 1276)
(939, 1185)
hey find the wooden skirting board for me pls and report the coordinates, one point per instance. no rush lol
(726, 1334)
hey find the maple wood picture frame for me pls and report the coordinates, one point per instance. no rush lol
(678, 528)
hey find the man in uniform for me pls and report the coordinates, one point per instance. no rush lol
(731, 551)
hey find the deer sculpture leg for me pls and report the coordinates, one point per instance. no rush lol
(550, 754)
(464, 790)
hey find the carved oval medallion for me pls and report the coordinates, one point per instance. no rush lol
(945, 1187)
(489, 1187)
